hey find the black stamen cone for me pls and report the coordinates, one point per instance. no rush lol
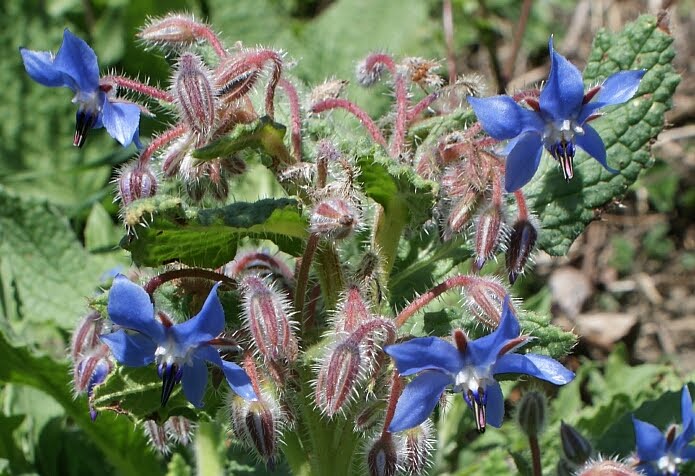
(84, 121)
(171, 375)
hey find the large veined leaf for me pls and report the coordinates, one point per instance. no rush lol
(627, 130)
(209, 237)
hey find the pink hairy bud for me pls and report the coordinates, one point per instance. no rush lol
(489, 230)
(136, 180)
(266, 312)
(338, 377)
(235, 77)
(521, 242)
(91, 369)
(370, 416)
(157, 436)
(382, 457)
(194, 96)
(175, 154)
(179, 429)
(85, 337)
(370, 70)
(607, 468)
(175, 29)
(460, 213)
(260, 262)
(417, 443)
(334, 219)
(352, 311)
(484, 297)
(258, 425)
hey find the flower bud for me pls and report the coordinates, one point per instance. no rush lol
(352, 311)
(179, 429)
(173, 30)
(338, 376)
(382, 457)
(370, 416)
(484, 297)
(258, 425)
(532, 413)
(607, 468)
(368, 72)
(194, 96)
(235, 77)
(575, 447)
(460, 213)
(86, 335)
(266, 312)
(418, 446)
(175, 154)
(334, 218)
(488, 232)
(521, 241)
(135, 181)
(157, 436)
(92, 369)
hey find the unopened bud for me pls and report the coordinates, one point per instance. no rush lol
(175, 154)
(575, 447)
(484, 297)
(135, 181)
(194, 95)
(532, 413)
(266, 312)
(258, 424)
(338, 377)
(370, 416)
(86, 335)
(352, 311)
(92, 369)
(382, 457)
(607, 468)
(417, 443)
(157, 436)
(460, 213)
(173, 30)
(179, 429)
(521, 241)
(488, 233)
(368, 71)
(329, 89)
(334, 218)
(235, 77)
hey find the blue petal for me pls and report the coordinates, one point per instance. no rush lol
(195, 378)
(522, 161)
(39, 66)
(236, 377)
(425, 353)
(688, 453)
(133, 350)
(494, 411)
(502, 118)
(204, 326)
(650, 442)
(418, 400)
(121, 121)
(562, 96)
(78, 62)
(688, 430)
(539, 366)
(592, 143)
(130, 307)
(485, 350)
(617, 89)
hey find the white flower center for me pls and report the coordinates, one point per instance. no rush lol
(171, 353)
(668, 463)
(471, 378)
(556, 132)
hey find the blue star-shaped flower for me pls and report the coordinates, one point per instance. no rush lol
(180, 350)
(558, 119)
(470, 367)
(75, 66)
(659, 454)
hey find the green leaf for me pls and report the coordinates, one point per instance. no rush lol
(209, 238)
(263, 134)
(115, 436)
(49, 271)
(566, 208)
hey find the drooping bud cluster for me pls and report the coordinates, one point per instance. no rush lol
(91, 358)
(352, 355)
(267, 315)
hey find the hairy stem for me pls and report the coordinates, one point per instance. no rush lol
(303, 274)
(137, 86)
(296, 120)
(154, 283)
(362, 116)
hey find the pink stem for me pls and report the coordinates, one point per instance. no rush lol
(204, 31)
(422, 105)
(151, 286)
(396, 388)
(350, 107)
(303, 273)
(295, 118)
(521, 205)
(401, 116)
(383, 58)
(161, 140)
(448, 24)
(139, 87)
(432, 294)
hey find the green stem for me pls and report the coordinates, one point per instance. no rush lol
(388, 227)
(330, 273)
(535, 455)
(209, 458)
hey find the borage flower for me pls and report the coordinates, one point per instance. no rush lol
(75, 66)
(180, 351)
(659, 454)
(557, 120)
(471, 367)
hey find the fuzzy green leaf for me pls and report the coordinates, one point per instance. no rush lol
(208, 237)
(566, 208)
